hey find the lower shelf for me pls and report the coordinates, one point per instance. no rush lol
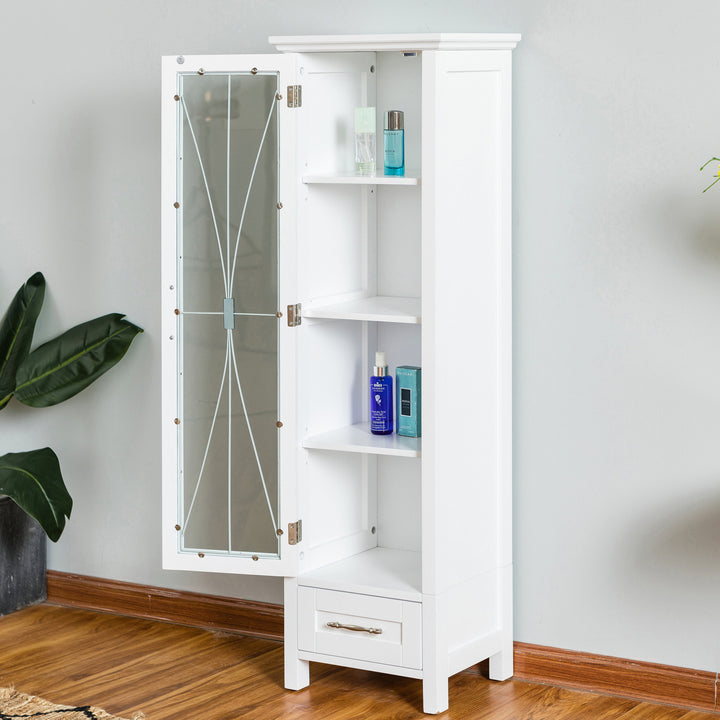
(381, 571)
(358, 438)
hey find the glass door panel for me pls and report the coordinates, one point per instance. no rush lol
(227, 269)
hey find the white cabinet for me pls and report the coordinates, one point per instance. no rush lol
(283, 273)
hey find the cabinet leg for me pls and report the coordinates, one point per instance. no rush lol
(501, 664)
(435, 654)
(297, 674)
(435, 695)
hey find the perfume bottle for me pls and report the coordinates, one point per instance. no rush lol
(394, 142)
(381, 397)
(365, 143)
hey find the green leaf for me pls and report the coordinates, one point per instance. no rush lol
(34, 481)
(16, 332)
(66, 365)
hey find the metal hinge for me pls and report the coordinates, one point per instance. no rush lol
(293, 314)
(295, 532)
(294, 96)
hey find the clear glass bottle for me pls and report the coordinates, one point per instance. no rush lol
(365, 141)
(381, 397)
(394, 142)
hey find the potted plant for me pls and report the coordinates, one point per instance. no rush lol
(34, 501)
(717, 179)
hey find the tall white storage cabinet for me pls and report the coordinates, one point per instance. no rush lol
(283, 273)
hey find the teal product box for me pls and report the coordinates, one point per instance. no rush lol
(407, 400)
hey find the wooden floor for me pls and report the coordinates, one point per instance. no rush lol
(125, 665)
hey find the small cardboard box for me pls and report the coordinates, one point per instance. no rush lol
(407, 400)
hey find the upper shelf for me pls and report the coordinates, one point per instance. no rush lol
(350, 179)
(403, 43)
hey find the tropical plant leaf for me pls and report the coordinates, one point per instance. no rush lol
(66, 365)
(16, 332)
(34, 481)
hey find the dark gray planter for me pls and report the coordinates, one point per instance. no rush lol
(23, 559)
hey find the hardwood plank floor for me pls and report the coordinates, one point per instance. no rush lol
(171, 672)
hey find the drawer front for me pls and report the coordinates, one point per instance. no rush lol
(396, 625)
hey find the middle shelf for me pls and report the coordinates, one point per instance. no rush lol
(358, 438)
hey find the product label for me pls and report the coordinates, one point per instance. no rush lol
(394, 155)
(381, 414)
(406, 402)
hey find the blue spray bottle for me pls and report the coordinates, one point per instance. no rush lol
(381, 397)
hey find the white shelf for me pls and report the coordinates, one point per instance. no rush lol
(411, 178)
(380, 571)
(374, 309)
(358, 438)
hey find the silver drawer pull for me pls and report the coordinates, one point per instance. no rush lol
(355, 628)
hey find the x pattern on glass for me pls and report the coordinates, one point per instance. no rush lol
(228, 268)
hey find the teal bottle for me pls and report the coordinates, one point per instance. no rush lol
(394, 142)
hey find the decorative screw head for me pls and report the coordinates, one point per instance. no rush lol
(278, 314)
(254, 71)
(176, 97)
(278, 424)
(201, 555)
(180, 60)
(279, 531)
(172, 287)
(172, 337)
(177, 527)
(176, 205)
(278, 96)
(177, 312)
(279, 206)
(177, 421)
(201, 71)
(255, 557)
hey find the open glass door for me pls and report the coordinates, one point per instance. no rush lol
(223, 459)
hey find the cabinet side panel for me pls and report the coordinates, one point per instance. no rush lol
(466, 315)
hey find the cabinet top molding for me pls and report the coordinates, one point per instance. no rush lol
(403, 43)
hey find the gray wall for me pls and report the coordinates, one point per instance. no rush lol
(617, 288)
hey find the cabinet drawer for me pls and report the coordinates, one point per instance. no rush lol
(397, 639)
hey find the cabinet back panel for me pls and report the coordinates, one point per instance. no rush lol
(398, 241)
(334, 84)
(337, 224)
(399, 503)
(401, 344)
(399, 88)
(334, 503)
(333, 377)
(338, 506)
